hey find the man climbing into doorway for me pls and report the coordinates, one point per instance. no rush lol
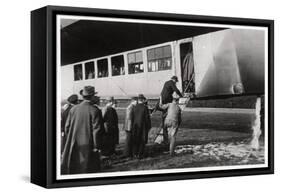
(168, 89)
(167, 97)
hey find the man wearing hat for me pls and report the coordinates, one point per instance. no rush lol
(83, 128)
(140, 128)
(111, 136)
(167, 97)
(172, 122)
(168, 89)
(72, 100)
(128, 127)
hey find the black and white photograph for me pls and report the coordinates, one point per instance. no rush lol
(142, 97)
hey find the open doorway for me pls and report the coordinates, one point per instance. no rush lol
(187, 67)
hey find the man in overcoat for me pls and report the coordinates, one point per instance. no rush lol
(83, 129)
(141, 127)
(167, 97)
(128, 127)
(71, 101)
(111, 135)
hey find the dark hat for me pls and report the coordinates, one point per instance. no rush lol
(73, 99)
(96, 100)
(88, 91)
(175, 78)
(141, 97)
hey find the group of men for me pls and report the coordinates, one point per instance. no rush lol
(89, 132)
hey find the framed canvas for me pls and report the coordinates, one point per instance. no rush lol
(125, 96)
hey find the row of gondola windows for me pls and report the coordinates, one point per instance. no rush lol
(158, 59)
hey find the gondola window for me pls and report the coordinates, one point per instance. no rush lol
(90, 70)
(135, 62)
(78, 72)
(117, 63)
(159, 58)
(102, 68)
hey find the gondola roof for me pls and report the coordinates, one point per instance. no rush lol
(86, 39)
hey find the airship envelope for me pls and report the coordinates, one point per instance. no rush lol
(229, 62)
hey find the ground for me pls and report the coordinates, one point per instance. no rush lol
(207, 137)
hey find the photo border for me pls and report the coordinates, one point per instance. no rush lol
(152, 171)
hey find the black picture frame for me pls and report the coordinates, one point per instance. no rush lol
(43, 95)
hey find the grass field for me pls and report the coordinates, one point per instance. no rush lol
(204, 139)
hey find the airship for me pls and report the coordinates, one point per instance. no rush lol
(125, 59)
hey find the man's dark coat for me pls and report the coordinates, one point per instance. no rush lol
(167, 92)
(141, 124)
(84, 128)
(64, 116)
(111, 136)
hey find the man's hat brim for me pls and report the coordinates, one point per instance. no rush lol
(91, 94)
(175, 78)
(141, 97)
(85, 93)
(72, 99)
